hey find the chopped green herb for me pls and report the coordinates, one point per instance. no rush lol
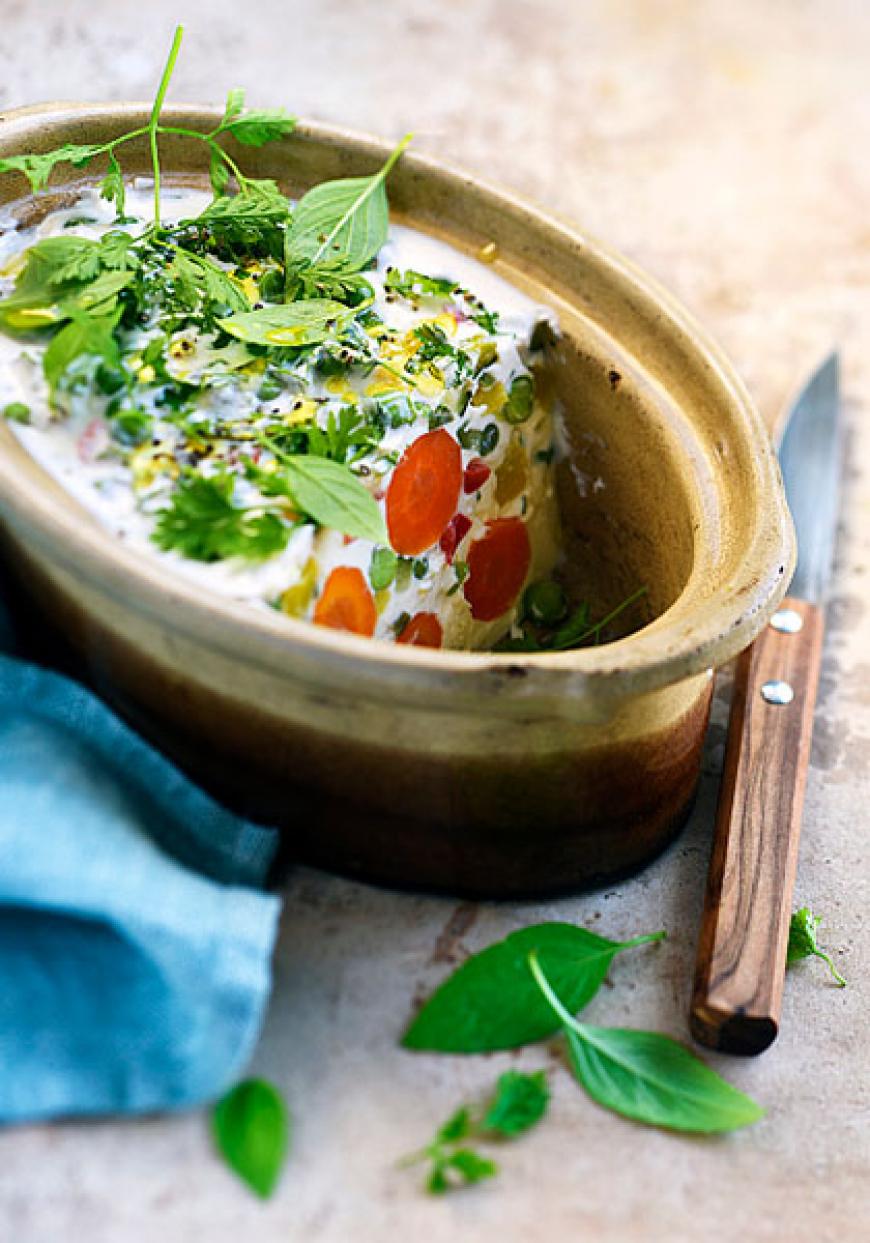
(203, 522)
(802, 942)
(17, 412)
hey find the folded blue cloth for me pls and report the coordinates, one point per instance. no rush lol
(134, 944)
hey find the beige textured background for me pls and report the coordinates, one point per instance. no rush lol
(724, 145)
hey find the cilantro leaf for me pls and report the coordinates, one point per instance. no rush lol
(251, 1129)
(112, 185)
(254, 128)
(38, 168)
(203, 523)
(200, 283)
(491, 1001)
(802, 942)
(234, 106)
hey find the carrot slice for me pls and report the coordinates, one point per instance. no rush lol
(424, 492)
(346, 603)
(498, 563)
(423, 630)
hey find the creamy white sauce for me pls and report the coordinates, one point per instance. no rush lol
(70, 447)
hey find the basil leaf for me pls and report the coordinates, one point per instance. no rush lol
(653, 1079)
(300, 323)
(802, 942)
(251, 1130)
(343, 222)
(492, 1002)
(519, 1103)
(333, 497)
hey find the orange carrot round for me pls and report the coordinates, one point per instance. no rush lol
(346, 603)
(498, 563)
(423, 630)
(424, 492)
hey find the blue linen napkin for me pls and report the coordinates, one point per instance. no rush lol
(134, 945)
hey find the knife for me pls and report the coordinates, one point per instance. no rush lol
(740, 966)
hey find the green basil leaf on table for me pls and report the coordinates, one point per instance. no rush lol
(491, 1002)
(646, 1076)
(251, 1129)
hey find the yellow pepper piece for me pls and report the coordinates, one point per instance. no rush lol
(303, 412)
(490, 394)
(296, 599)
(339, 387)
(148, 462)
(382, 599)
(512, 475)
(429, 382)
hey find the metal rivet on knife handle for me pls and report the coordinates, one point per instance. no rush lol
(776, 692)
(787, 621)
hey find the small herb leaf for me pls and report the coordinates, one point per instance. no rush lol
(334, 497)
(802, 942)
(300, 323)
(519, 1103)
(251, 1129)
(491, 1001)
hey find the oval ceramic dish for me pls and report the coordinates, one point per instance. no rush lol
(477, 773)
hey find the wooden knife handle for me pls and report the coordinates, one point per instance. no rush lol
(740, 966)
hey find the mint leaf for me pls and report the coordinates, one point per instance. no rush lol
(646, 1076)
(203, 523)
(200, 283)
(300, 323)
(519, 1103)
(491, 1002)
(342, 222)
(251, 1129)
(802, 942)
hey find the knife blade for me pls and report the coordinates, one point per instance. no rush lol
(741, 959)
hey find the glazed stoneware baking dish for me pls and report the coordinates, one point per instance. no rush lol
(480, 773)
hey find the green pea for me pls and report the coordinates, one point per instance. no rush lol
(545, 603)
(469, 437)
(488, 439)
(421, 567)
(521, 400)
(382, 570)
(17, 412)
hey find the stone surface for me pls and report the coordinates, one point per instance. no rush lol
(724, 148)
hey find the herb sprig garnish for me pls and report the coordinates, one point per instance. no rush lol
(518, 1104)
(251, 1129)
(251, 128)
(803, 943)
